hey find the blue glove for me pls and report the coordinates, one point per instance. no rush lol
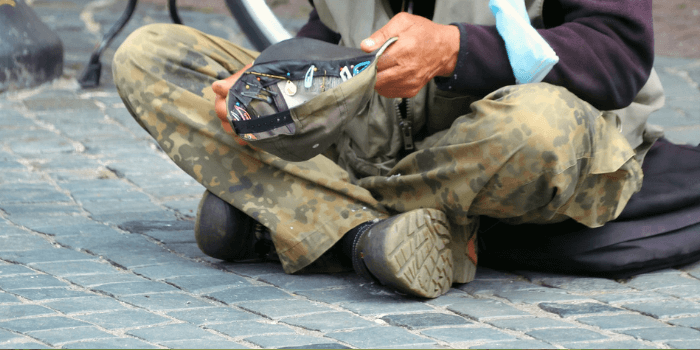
(529, 54)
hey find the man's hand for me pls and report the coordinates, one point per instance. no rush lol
(221, 88)
(424, 51)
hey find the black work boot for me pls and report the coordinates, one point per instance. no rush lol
(226, 233)
(409, 252)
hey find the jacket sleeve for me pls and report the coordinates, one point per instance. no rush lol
(605, 49)
(315, 29)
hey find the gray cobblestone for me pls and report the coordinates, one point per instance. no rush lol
(619, 298)
(467, 334)
(8, 298)
(618, 322)
(480, 309)
(691, 322)
(49, 293)
(58, 336)
(202, 344)
(182, 331)
(112, 343)
(664, 333)
(34, 281)
(133, 288)
(329, 322)
(566, 310)
(525, 324)
(185, 268)
(666, 309)
(251, 328)
(165, 301)
(52, 254)
(124, 319)
(379, 337)
(26, 345)
(276, 341)
(612, 344)
(538, 296)
(69, 268)
(683, 344)
(246, 294)
(17, 311)
(212, 315)
(659, 280)
(203, 284)
(518, 344)
(85, 304)
(384, 306)
(283, 308)
(298, 283)
(489, 286)
(42, 323)
(565, 335)
(425, 320)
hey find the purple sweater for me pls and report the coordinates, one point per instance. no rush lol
(605, 49)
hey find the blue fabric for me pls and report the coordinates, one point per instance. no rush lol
(529, 54)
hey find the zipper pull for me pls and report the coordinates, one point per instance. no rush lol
(309, 77)
(407, 130)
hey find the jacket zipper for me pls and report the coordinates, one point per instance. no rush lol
(405, 121)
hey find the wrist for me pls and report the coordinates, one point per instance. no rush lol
(450, 45)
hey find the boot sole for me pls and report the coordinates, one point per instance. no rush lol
(410, 252)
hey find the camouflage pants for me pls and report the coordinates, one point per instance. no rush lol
(528, 153)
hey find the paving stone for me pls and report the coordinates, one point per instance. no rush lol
(8, 298)
(49, 293)
(111, 343)
(389, 305)
(144, 257)
(85, 304)
(653, 281)
(121, 217)
(283, 308)
(425, 320)
(22, 243)
(664, 333)
(691, 322)
(50, 254)
(584, 284)
(515, 344)
(466, 334)
(379, 337)
(322, 346)
(681, 344)
(537, 296)
(202, 284)
(122, 319)
(34, 281)
(7, 270)
(617, 298)
(247, 294)
(478, 287)
(250, 328)
(202, 344)
(276, 341)
(213, 315)
(18, 210)
(26, 345)
(63, 103)
(252, 269)
(685, 291)
(42, 323)
(16, 311)
(165, 301)
(169, 237)
(182, 331)
(617, 322)
(611, 344)
(58, 336)
(58, 225)
(184, 268)
(135, 288)
(329, 322)
(68, 268)
(110, 245)
(525, 324)
(568, 335)
(663, 309)
(297, 283)
(453, 296)
(82, 226)
(481, 309)
(566, 310)
(89, 281)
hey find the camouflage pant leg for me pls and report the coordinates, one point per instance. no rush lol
(164, 75)
(529, 153)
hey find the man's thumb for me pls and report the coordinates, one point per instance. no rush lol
(373, 42)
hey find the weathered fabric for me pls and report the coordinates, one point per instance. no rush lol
(529, 153)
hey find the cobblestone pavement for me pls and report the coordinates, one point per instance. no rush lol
(97, 246)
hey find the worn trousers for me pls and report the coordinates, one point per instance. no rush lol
(531, 153)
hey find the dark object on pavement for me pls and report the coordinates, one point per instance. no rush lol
(226, 233)
(659, 228)
(30, 53)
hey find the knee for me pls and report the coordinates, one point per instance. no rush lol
(139, 50)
